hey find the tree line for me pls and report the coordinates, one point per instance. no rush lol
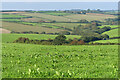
(61, 40)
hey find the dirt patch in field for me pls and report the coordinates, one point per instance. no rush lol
(4, 31)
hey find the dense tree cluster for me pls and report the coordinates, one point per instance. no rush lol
(94, 38)
(100, 31)
(32, 32)
(61, 40)
(90, 29)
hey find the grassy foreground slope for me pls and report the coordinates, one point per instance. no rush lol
(12, 37)
(41, 61)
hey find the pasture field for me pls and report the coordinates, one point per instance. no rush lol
(35, 19)
(112, 33)
(49, 25)
(28, 26)
(49, 17)
(28, 23)
(11, 20)
(12, 16)
(21, 27)
(67, 25)
(58, 13)
(112, 26)
(43, 61)
(72, 17)
(107, 41)
(90, 17)
(12, 37)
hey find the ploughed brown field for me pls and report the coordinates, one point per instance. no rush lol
(4, 31)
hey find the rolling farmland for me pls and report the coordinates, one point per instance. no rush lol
(25, 60)
(49, 17)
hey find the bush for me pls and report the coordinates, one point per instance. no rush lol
(21, 40)
(43, 33)
(59, 40)
(81, 42)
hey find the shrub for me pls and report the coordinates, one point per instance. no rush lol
(59, 40)
(43, 33)
(77, 42)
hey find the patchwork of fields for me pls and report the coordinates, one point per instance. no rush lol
(71, 18)
(56, 61)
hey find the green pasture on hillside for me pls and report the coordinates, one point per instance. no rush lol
(12, 16)
(107, 41)
(112, 33)
(112, 26)
(11, 20)
(58, 14)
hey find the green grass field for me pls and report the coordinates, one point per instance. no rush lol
(12, 37)
(58, 13)
(28, 23)
(112, 33)
(67, 25)
(107, 41)
(49, 25)
(12, 16)
(40, 61)
(112, 26)
(35, 19)
(11, 20)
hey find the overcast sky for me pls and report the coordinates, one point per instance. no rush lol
(60, 0)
